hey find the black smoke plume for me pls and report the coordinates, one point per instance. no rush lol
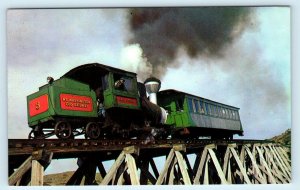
(204, 31)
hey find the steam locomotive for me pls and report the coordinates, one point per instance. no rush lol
(100, 101)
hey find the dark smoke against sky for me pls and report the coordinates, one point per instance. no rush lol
(200, 31)
(233, 49)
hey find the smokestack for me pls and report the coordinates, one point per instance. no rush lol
(152, 85)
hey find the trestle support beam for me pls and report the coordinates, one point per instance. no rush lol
(258, 163)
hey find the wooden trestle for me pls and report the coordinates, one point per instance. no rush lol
(239, 162)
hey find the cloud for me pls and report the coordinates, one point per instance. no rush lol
(253, 72)
(50, 42)
(251, 75)
(49, 34)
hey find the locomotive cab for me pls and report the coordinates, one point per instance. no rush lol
(115, 88)
(116, 91)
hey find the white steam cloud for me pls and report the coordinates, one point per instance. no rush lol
(132, 59)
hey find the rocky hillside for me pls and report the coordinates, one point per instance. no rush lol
(62, 178)
(57, 179)
(284, 138)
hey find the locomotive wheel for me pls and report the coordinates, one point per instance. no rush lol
(36, 135)
(63, 130)
(31, 135)
(92, 130)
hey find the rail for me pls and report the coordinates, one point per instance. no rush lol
(217, 161)
(27, 146)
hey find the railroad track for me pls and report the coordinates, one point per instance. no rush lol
(26, 146)
(216, 161)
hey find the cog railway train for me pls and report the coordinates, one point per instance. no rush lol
(100, 101)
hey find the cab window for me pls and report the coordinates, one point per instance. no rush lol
(104, 80)
(123, 83)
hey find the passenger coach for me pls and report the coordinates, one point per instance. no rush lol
(196, 116)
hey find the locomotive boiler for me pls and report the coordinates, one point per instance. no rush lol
(100, 101)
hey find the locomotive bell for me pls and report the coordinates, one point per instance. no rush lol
(152, 85)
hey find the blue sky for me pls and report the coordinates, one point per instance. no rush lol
(253, 74)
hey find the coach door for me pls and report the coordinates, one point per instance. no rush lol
(179, 117)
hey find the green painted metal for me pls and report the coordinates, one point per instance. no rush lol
(184, 110)
(111, 92)
(45, 116)
(67, 85)
(61, 86)
(178, 115)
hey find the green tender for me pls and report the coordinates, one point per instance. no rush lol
(65, 86)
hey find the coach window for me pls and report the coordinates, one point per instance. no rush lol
(227, 113)
(234, 115)
(201, 106)
(237, 115)
(219, 111)
(223, 113)
(213, 110)
(196, 105)
(209, 109)
(179, 104)
(191, 106)
(216, 110)
(205, 107)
